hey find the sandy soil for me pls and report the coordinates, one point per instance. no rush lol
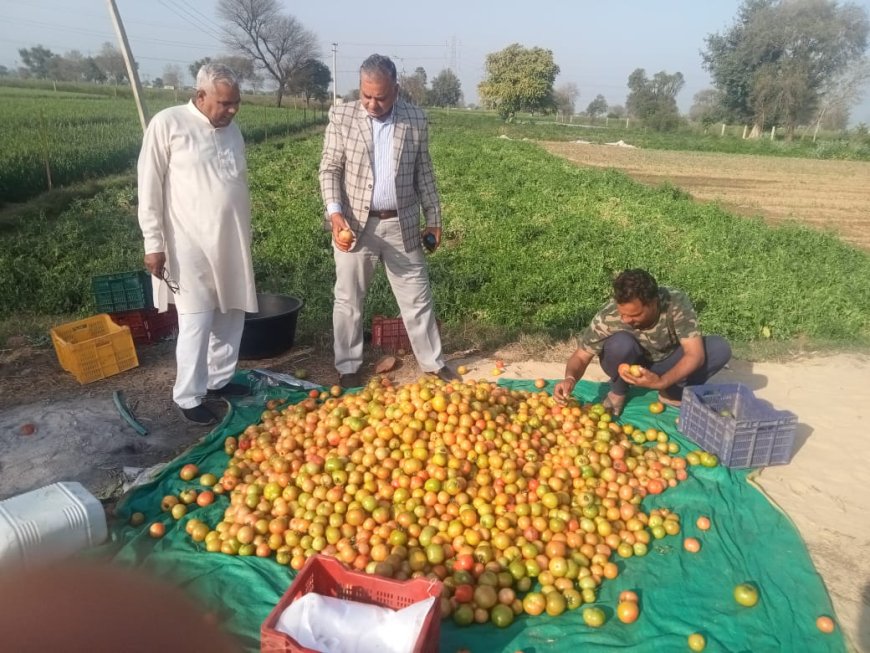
(80, 436)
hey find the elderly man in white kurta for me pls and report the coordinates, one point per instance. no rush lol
(195, 216)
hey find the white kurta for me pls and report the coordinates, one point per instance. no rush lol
(195, 206)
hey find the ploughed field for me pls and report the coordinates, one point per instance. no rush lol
(826, 194)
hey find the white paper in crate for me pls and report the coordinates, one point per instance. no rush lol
(330, 625)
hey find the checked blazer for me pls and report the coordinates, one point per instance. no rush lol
(347, 176)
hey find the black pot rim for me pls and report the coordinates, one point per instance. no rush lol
(256, 317)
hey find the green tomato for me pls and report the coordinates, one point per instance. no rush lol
(593, 617)
(746, 595)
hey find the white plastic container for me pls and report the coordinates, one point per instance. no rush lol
(48, 524)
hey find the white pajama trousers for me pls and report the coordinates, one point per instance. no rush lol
(206, 353)
(381, 240)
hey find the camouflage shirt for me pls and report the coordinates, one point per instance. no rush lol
(677, 320)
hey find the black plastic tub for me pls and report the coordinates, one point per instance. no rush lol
(271, 330)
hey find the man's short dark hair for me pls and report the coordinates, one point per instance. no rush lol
(635, 284)
(378, 65)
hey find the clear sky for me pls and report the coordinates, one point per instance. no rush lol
(596, 44)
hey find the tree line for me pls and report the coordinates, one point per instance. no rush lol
(782, 62)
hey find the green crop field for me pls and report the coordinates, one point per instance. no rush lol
(55, 138)
(530, 244)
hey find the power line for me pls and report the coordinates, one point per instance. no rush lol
(196, 11)
(188, 18)
(105, 35)
(396, 45)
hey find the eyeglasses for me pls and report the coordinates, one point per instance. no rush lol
(172, 285)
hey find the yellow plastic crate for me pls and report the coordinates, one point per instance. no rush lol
(94, 348)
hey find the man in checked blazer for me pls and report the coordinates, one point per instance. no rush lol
(375, 177)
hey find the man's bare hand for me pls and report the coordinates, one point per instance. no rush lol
(342, 235)
(643, 378)
(154, 263)
(562, 390)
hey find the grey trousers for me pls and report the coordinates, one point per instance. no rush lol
(622, 347)
(408, 275)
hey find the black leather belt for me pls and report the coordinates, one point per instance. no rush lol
(383, 215)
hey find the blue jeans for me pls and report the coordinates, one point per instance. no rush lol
(622, 347)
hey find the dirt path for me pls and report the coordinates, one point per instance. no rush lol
(824, 194)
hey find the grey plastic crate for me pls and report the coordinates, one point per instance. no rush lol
(744, 431)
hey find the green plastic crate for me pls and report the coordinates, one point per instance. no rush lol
(123, 291)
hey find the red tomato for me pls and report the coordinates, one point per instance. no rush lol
(692, 545)
(463, 593)
(655, 486)
(463, 562)
(627, 612)
(825, 624)
(627, 595)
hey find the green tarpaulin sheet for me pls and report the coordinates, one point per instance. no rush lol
(680, 593)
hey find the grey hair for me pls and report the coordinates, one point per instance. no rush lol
(215, 73)
(377, 65)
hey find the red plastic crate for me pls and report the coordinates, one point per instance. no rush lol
(147, 325)
(389, 334)
(328, 577)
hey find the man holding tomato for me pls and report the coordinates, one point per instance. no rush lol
(647, 336)
(375, 177)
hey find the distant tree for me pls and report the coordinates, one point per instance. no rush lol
(172, 76)
(157, 82)
(774, 62)
(446, 90)
(565, 98)
(69, 68)
(196, 65)
(839, 94)
(706, 107)
(598, 107)
(351, 96)
(243, 67)
(616, 111)
(91, 71)
(4, 71)
(519, 79)
(277, 44)
(37, 61)
(311, 81)
(111, 62)
(412, 88)
(655, 100)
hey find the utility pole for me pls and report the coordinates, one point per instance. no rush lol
(334, 79)
(132, 73)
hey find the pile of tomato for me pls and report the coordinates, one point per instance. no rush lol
(515, 503)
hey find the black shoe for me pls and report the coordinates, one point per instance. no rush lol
(230, 390)
(199, 415)
(350, 380)
(447, 375)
